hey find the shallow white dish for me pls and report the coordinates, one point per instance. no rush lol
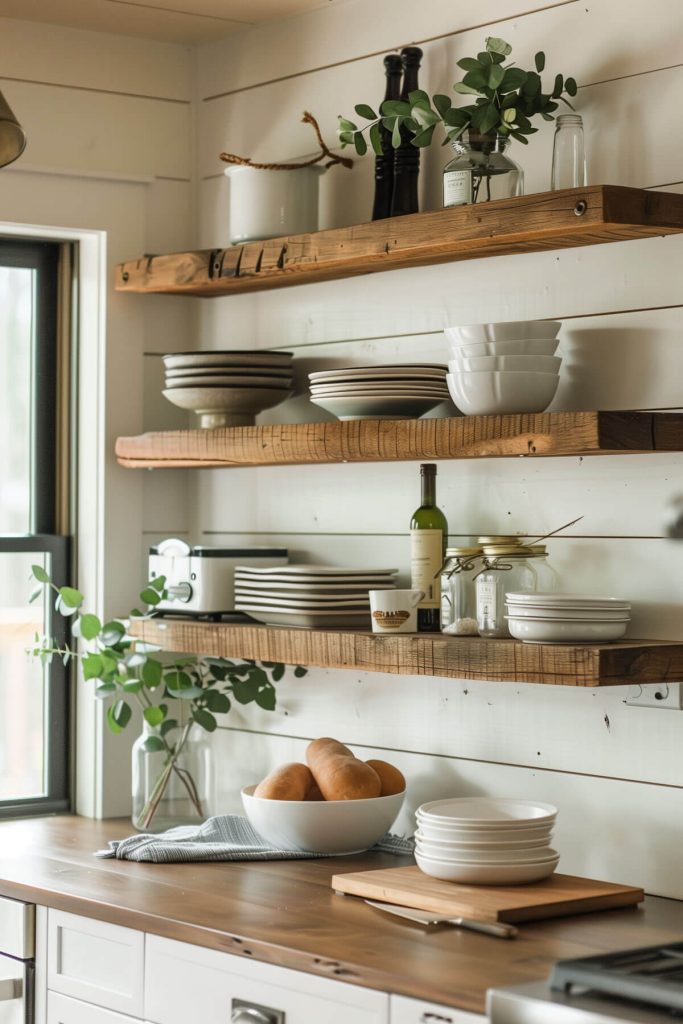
(333, 571)
(322, 826)
(485, 874)
(357, 604)
(496, 392)
(483, 811)
(228, 381)
(530, 611)
(361, 389)
(510, 330)
(305, 619)
(536, 855)
(218, 407)
(556, 600)
(445, 833)
(535, 364)
(236, 370)
(523, 347)
(481, 846)
(378, 407)
(314, 589)
(391, 370)
(240, 357)
(575, 631)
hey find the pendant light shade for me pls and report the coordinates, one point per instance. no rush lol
(12, 135)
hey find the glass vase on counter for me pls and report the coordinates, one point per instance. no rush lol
(481, 171)
(173, 778)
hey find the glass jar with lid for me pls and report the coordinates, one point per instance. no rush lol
(547, 577)
(507, 567)
(458, 595)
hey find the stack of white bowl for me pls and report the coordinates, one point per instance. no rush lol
(486, 841)
(566, 618)
(400, 391)
(503, 368)
(227, 388)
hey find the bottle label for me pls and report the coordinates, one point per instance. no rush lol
(426, 559)
(486, 601)
(457, 188)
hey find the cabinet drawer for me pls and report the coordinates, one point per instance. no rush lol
(414, 1011)
(98, 962)
(187, 983)
(63, 1010)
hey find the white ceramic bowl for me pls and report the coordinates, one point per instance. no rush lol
(486, 874)
(511, 330)
(557, 631)
(438, 833)
(378, 407)
(523, 347)
(322, 826)
(533, 856)
(499, 391)
(482, 811)
(449, 846)
(530, 611)
(220, 407)
(555, 600)
(535, 364)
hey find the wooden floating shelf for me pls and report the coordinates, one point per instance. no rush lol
(590, 215)
(425, 654)
(458, 437)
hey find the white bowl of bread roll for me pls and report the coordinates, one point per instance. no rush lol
(335, 803)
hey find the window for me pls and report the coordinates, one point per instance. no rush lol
(33, 483)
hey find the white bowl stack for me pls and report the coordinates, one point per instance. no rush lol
(566, 618)
(227, 388)
(402, 391)
(486, 841)
(503, 368)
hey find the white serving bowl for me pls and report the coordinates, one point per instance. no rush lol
(525, 364)
(559, 614)
(522, 347)
(378, 407)
(532, 856)
(530, 834)
(482, 811)
(448, 847)
(499, 391)
(557, 631)
(322, 826)
(220, 407)
(486, 874)
(511, 330)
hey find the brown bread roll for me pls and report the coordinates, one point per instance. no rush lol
(326, 745)
(391, 778)
(314, 792)
(339, 774)
(288, 782)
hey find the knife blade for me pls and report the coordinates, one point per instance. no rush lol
(497, 928)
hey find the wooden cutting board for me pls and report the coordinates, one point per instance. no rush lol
(557, 896)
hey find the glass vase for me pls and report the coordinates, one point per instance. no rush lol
(569, 153)
(480, 171)
(173, 778)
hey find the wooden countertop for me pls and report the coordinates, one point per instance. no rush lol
(284, 912)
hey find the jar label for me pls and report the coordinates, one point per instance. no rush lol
(457, 188)
(426, 559)
(486, 600)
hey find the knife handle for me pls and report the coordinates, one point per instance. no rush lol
(497, 928)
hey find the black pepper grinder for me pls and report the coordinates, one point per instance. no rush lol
(384, 164)
(407, 156)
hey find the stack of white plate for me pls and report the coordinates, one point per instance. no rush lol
(486, 841)
(505, 367)
(402, 391)
(566, 618)
(314, 596)
(228, 388)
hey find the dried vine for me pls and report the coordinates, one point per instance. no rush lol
(325, 153)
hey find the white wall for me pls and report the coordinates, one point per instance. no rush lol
(614, 771)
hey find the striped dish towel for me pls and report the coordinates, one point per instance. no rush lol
(229, 837)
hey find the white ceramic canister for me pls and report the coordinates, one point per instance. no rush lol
(268, 204)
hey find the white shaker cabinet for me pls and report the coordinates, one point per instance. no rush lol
(64, 1010)
(414, 1011)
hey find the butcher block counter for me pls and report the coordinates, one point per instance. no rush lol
(284, 913)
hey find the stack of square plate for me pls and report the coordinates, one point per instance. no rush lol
(314, 596)
(227, 388)
(401, 391)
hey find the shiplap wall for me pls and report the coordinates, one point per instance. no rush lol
(616, 772)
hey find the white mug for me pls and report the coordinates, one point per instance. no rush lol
(394, 611)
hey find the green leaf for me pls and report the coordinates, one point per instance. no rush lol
(266, 698)
(93, 666)
(539, 61)
(135, 660)
(476, 79)
(105, 689)
(442, 103)
(132, 685)
(395, 107)
(149, 596)
(151, 673)
(205, 719)
(40, 574)
(244, 690)
(496, 75)
(571, 86)
(158, 583)
(90, 626)
(278, 673)
(168, 726)
(71, 598)
(153, 744)
(419, 98)
(532, 86)
(485, 58)
(425, 118)
(177, 680)
(468, 64)
(396, 134)
(363, 110)
(375, 139)
(513, 78)
(490, 118)
(509, 115)
(496, 45)
(558, 87)
(191, 693)
(457, 118)
(360, 144)
(154, 716)
(217, 702)
(35, 595)
(465, 90)
(300, 672)
(118, 716)
(347, 126)
(519, 137)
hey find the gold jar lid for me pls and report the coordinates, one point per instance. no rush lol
(502, 539)
(507, 551)
(463, 552)
(538, 550)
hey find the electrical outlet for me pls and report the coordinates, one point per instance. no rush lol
(656, 695)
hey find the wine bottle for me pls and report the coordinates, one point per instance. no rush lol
(384, 164)
(407, 156)
(428, 537)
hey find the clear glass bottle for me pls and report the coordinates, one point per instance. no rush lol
(458, 594)
(569, 153)
(481, 171)
(547, 577)
(507, 567)
(171, 786)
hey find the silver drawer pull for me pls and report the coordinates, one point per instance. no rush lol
(251, 1013)
(11, 988)
(433, 1018)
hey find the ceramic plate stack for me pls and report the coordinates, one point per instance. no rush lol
(503, 368)
(484, 841)
(380, 392)
(228, 389)
(312, 596)
(566, 618)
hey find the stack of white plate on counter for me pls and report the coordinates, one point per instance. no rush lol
(402, 391)
(504, 367)
(310, 596)
(227, 388)
(486, 841)
(566, 618)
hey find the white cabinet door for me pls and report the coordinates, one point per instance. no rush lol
(95, 961)
(186, 984)
(414, 1011)
(63, 1010)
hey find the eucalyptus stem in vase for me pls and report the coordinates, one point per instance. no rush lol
(171, 760)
